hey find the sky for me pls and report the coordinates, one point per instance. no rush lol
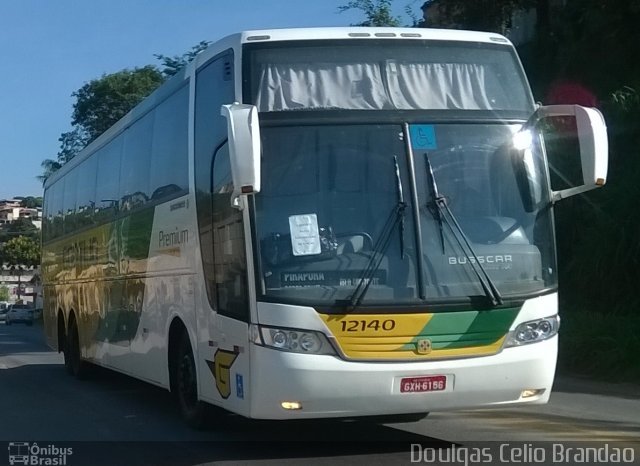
(51, 48)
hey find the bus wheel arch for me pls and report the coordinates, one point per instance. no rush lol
(183, 376)
(72, 356)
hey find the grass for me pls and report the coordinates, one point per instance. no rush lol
(601, 346)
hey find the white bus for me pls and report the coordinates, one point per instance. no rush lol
(316, 223)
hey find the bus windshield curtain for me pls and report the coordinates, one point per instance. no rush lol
(392, 85)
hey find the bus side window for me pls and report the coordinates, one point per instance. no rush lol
(230, 261)
(210, 132)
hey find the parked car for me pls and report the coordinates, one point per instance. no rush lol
(20, 313)
(3, 313)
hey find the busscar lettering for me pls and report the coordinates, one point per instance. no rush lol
(498, 259)
(173, 238)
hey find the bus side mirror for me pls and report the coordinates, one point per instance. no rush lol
(562, 130)
(244, 149)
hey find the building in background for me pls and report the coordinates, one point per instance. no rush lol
(23, 284)
(11, 210)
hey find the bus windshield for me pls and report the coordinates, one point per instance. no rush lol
(347, 126)
(330, 192)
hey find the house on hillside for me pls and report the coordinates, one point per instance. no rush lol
(11, 210)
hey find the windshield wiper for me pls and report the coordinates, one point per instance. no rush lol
(401, 204)
(435, 195)
(396, 217)
(443, 214)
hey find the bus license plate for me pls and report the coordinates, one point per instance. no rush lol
(431, 383)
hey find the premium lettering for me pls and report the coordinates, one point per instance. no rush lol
(174, 238)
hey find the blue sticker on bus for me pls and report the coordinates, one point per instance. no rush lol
(423, 137)
(239, 386)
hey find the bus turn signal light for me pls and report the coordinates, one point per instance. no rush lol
(531, 392)
(291, 405)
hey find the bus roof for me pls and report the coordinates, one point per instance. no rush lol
(345, 33)
(271, 35)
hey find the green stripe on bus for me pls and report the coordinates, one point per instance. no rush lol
(450, 330)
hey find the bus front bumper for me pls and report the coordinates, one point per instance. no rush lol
(329, 387)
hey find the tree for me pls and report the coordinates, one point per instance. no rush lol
(99, 104)
(377, 12)
(4, 293)
(19, 253)
(71, 143)
(102, 102)
(21, 250)
(49, 167)
(31, 202)
(482, 15)
(19, 227)
(171, 65)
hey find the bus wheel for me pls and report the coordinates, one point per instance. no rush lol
(192, 410)
(72, 360)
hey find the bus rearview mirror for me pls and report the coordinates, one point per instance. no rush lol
(562, 127)
(244, 149)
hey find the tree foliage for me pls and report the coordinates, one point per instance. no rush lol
(101, 102)
(49, 167)
(20, 251)
(30, 202)
(4, 293)
(19, 227)
(171, 65)
(481, 15)
(377, 12)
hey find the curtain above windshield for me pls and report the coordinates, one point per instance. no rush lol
(404, 76)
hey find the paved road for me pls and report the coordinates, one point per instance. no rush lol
(40, 403)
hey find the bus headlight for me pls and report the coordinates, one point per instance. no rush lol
(533, 331)
(291, 340)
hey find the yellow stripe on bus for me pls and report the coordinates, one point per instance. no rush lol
(394, 337)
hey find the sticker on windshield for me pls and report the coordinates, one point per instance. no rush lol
(305, 236)
(423, 137)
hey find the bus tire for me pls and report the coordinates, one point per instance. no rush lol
(72, 359)
(192, 410)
